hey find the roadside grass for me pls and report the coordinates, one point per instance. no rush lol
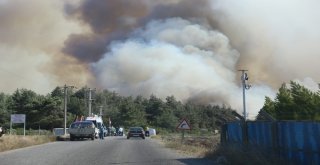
(10, 142)
(209, 146)
(194, 145)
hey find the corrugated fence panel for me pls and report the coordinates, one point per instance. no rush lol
(299, 141)
(234, 132)
(260, 134)
(296, 141)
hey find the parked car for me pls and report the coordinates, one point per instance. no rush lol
(111, 131)
(136, 132)
(119, 131)
(97, 121)
(152, 132)
(82, 129)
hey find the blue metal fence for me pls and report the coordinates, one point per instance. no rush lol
(260, 134)
(299, 141)
(296, 141)
(234, 133)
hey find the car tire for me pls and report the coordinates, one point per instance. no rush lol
(71, 138)
(128, 137)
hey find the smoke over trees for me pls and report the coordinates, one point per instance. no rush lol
(186, 48)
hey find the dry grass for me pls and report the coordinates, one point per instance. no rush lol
(210, 147)
(9, 142)
(197, 146)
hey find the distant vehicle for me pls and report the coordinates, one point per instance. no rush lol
(98, 122)
(82, 129)
(1, 131)
(120, 131)
(136, 132)
(112, 131)
(147, 133)
(60, 131)
(152, 132)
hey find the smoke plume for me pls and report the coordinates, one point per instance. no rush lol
(31, 36)
(191, 49)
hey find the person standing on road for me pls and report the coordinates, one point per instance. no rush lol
(101, 133)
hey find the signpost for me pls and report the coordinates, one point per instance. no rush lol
(18, 118)
(184, 125)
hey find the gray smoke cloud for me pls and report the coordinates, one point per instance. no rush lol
(31, 37)
(277, 39)
(188, 48)
(175, 57)
(107, 20)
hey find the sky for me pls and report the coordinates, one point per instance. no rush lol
(186, 48)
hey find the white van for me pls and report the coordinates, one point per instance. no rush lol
(98, 122)
(152, 132)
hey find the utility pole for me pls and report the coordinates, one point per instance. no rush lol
(65, 109)
(90, 100)
(100, 110)
(65, 106)
(245, 86)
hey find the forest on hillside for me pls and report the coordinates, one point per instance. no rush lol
(47, 111)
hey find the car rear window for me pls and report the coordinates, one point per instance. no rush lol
(82, 125)
(135, 129)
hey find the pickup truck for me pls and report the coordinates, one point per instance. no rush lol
(82, 129)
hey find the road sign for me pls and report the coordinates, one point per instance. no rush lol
(18, 118)
(184, 125)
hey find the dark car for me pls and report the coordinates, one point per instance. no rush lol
(136, 132)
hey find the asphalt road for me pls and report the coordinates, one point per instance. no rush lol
(111, 150)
